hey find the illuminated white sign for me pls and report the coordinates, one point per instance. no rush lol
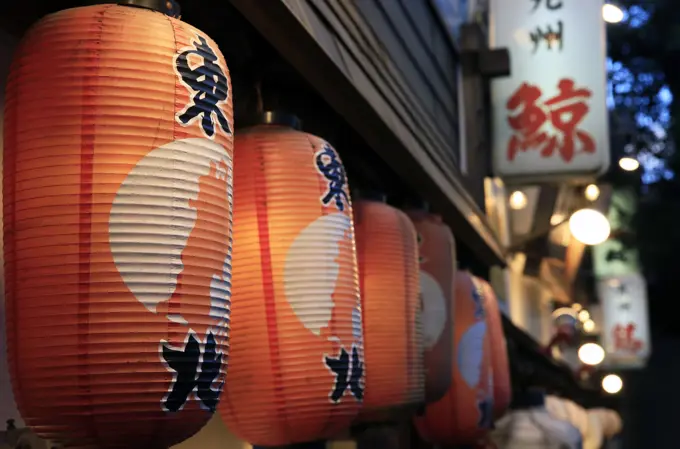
(625, 326)
(550, 115)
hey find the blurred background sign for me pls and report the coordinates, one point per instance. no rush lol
(618, 255)
(621, 288)
(625, 330)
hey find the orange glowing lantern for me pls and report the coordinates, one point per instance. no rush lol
(296, 360)
(437, 256)
(502, 388)
(465, 414)
(117, 204)
(388, 277)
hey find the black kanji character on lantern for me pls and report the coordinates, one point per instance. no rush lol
(553, 37)
(209, 85)
(550, 5)
(348, 371)
(421, 258)
(485, 408)
(188, 377)
(331, 168)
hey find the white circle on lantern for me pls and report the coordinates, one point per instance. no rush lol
(471, 353)
(356, 323)
(311, 271)
(434, 309)
(151, 220)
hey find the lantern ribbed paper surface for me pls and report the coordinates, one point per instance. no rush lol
(502, 388)
(609, 420)
(117, 227)
(567, 410)
(465, 414)
(595, 436)
(437, 257)
(388, 277)
(296, 364)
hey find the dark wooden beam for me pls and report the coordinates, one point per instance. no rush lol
(541, 227)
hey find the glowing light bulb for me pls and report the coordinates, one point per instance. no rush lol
(612, 13)
(556, 219)
(592, 192)
(629, 164)
(518, 200)
(612, 383)
(589, 326)
(583, 315)
(589, 226)
(591, 354)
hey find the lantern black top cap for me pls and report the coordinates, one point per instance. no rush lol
(167, 7)
(279, 118)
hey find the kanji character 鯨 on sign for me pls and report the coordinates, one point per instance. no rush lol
(550, 124)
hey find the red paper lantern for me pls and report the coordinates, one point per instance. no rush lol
(437, 256)
(117, 226)
(388, 277)
(465, 414)
(502, 388)
(296, 361)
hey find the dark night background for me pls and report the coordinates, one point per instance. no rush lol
(644, 51)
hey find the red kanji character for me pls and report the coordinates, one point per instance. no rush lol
(624, 338)
(565, 112)
(527, 123)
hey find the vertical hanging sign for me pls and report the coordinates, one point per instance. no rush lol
(622, 289)
(625, 327)
(550, 114)
(613, 257)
